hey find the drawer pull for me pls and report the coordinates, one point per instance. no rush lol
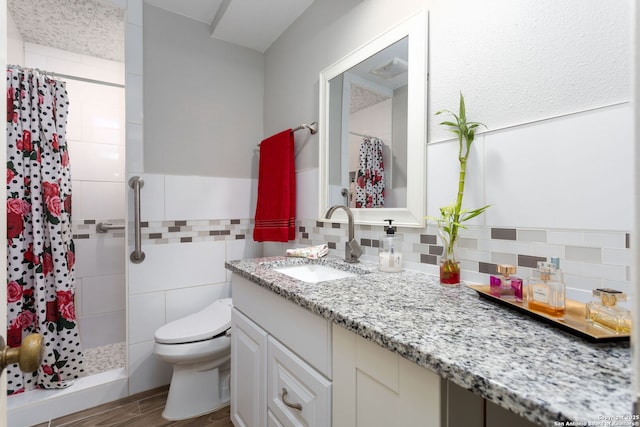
(297, 406)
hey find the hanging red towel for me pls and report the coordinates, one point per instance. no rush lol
(276, 205)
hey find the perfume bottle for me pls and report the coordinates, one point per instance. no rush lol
(507, 286)
(546, 290)
(604, 312)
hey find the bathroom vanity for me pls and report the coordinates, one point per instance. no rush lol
(382, 349)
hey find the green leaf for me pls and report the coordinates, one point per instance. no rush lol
(474, 213)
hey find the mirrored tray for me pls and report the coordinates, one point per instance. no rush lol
(573, 322)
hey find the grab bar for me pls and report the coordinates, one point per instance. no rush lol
(137, 256)
(103, 227)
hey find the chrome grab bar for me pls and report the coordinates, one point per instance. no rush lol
(103, 227)
(137, 256)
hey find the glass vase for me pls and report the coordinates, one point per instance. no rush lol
(449, 266)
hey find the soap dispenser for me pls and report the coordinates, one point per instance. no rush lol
(390, 257)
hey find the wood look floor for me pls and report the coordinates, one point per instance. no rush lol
(140, 410)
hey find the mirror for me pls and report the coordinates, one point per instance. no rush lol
(373, 129)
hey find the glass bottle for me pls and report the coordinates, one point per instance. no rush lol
(389, 256)
(507, 286)
(546, 290)
(604, 312)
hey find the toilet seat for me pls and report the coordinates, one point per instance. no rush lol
(203, 325)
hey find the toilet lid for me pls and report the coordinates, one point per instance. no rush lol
(204, 324)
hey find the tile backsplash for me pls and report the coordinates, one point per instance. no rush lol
(589, 258)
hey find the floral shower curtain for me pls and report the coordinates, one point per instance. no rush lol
(40, 250)
(370, 179)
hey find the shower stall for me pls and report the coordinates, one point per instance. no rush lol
(96, 140)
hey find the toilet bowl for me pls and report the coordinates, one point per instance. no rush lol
(199, 348)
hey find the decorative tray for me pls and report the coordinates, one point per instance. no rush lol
(573, 322)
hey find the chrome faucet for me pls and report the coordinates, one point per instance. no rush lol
(352, 249)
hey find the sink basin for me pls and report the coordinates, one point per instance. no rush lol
(314, 273)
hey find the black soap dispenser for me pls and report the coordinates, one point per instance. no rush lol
(390, 257)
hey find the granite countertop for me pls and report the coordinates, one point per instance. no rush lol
(521, 364)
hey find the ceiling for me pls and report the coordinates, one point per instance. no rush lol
(251, 23)
(96, 28)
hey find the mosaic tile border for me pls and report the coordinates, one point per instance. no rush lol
(187, 231)
(592, 257)
(86, 229)
(177, 231)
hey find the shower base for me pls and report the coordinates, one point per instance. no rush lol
(104, 358)
(105, 381)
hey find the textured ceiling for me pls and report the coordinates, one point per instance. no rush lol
(362, 98)
(96, 28)
(88, 27)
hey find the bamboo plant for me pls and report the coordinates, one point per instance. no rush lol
(453, 216)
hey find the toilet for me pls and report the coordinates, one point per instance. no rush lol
(199, 348)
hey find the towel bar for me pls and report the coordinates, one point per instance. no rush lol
(313, 128)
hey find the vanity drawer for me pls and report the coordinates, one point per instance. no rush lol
(305, 333)
(272, 421)
(293, 381)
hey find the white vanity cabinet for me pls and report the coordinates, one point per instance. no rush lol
(280, 361)
(290, 367)
(248, 372)
(374, 387)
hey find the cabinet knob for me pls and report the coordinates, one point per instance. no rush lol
(28, 356)
(297, 406)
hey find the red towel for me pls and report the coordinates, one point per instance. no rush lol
(276, 205)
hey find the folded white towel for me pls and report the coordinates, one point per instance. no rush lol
(311, 252)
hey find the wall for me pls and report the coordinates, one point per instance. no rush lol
(197, 161)
(546, 78)
(95, 131)
(202, 100)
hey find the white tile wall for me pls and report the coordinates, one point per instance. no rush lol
(103, 294)
(99, 257)
(175, 266)
(146, 371)
(97, 162)
(102, 329)
(146, 315)
(183, 302)
(99, 200)
(65, 62)
(177, 279)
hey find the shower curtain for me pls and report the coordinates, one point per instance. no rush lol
(370, 179)
(40, 250)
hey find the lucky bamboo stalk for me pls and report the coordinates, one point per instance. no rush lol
(453, 216)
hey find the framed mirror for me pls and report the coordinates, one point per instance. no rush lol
(373, 129)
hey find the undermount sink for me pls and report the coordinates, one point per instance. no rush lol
(314, 273)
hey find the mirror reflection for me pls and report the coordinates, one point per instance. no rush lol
(368, 131)
(372, 128)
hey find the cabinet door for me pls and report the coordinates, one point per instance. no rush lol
(374, 387)
(248, 372)
(272, 420)
(298, 395)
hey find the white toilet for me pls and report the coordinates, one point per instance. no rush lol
(199, 348)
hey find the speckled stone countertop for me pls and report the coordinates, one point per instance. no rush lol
(528, 367)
